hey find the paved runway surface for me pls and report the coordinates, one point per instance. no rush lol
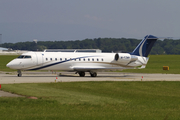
(47, 77)
(7, 94)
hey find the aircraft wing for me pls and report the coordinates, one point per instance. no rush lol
(96, 68)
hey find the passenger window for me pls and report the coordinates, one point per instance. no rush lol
(97, 59)
(65, 59)
(84, 59)
(60, 59)
(74, 59)
(50, 58)
(56, 59)
(93, 59)
(102, 59)
(88, 59)
(79, 59)
(46, 59)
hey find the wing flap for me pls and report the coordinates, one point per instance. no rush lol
(96, 68)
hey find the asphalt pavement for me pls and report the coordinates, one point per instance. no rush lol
(49, 77)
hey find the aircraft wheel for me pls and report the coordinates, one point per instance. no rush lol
(81, 74)
(19, 73)
(94, 74)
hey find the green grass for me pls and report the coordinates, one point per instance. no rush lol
(93, 100)
(4, 59)
(156, 63)
(96, 100)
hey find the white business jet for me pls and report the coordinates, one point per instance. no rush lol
(84, 62)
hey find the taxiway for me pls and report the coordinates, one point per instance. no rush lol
(48, 77)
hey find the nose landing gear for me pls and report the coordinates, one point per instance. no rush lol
(19, 73)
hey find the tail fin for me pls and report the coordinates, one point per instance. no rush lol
(144, 47)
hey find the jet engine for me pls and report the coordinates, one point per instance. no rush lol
(127, 59)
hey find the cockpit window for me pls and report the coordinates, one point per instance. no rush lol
(24, 56)
(27, 56)
(21, 56)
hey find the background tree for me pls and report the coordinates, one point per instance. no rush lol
(166, 46)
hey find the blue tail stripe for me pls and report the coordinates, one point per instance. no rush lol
(145, 46)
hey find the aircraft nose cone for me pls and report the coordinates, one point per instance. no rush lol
(8, 65)
(14, 64)
(11, 65)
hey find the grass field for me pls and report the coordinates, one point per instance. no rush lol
(93, 100)
(156, 63)
(4, 59)
(96, 100)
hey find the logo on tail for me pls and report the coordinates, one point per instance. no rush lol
(145, 46)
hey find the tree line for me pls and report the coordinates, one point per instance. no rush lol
(166, 46)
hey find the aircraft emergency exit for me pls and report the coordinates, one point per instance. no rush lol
(84, 62)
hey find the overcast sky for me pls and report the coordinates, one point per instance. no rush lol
(50, 20)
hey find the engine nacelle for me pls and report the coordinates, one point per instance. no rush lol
(129, 60)
(122, 58)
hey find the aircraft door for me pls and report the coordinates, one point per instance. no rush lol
(40, 59)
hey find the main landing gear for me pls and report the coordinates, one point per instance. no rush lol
(82, 74)
(19, 73)
(93, 74)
